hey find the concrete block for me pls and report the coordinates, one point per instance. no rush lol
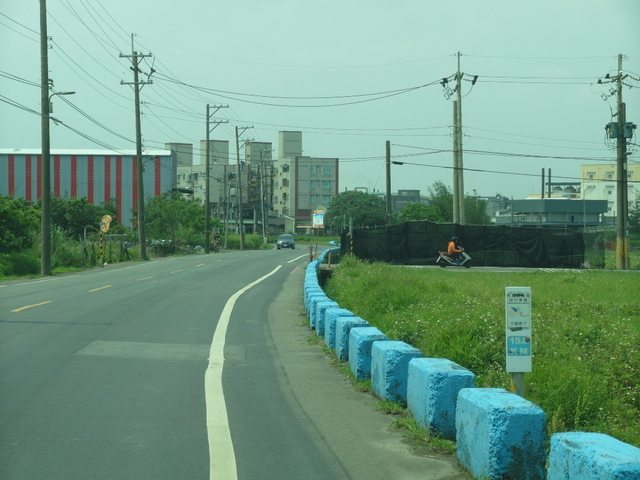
(432, 393)
(331, 315)
(592, 456)
(360, 343)
(309, 289)
(318, 321)
(390, 369)
(500, 435)
(343, 328)
(324, 256)
(312, 301)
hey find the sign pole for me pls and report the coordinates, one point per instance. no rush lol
(518, 335)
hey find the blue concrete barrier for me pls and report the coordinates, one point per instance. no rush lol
(330, 317)
(592, 456)
(390, 368)
(313, 300)
(318, 321)
(500, 435)
(308, 290)
(432, 393)
(343, 328)
(322, 258)
(360, 343)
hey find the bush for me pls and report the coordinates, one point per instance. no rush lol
(19, 264)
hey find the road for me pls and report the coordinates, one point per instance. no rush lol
(191, 367)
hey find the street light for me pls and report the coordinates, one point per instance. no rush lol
(45, 219)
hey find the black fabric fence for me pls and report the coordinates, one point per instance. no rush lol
(418, 243)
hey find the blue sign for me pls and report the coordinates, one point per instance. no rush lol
(518, 346)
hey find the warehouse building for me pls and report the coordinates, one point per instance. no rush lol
(98, 175)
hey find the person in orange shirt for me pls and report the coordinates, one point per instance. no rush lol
(454, 249)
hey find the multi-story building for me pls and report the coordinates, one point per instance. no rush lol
(100, 176)
(304, 184)
(599, 182)
(301, 184)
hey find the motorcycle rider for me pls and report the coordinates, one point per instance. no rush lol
(454, 250)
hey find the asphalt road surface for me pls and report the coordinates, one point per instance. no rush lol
(194, 367)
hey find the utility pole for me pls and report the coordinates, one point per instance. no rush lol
(458, 169)
(45, 162)
(456, 166)
(240, 219)
(263, 209)
(207, 187)
(622, 241)
(457, 105)
(136, 58)
(388, 169)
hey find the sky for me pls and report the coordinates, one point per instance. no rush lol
(349, 74)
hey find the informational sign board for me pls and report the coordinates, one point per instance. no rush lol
(318, 218)
(518, 328)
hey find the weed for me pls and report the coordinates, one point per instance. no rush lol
(390, 408)
(586, 333)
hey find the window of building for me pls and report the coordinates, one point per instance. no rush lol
(313, 170)
(326, 170)
(313, 184)
(591, 175)
(326, 185)
(609, 174)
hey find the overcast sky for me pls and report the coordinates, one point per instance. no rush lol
(350, 74)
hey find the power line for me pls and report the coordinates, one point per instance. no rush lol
(376, 96)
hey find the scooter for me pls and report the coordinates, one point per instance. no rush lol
(445, 260)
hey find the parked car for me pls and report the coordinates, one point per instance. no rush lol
(285, 241)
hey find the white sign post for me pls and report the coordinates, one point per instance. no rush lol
(518, 335)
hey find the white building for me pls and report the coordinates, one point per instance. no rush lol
(598, 182)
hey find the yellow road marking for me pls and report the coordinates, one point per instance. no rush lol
(29, 306)
(177, 271)
(100, 288)
(200, 265)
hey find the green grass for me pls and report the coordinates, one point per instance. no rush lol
(586, 333)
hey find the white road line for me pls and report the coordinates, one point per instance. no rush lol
(222, 458)
(297, 258)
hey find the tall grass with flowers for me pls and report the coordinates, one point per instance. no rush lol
(586, 333)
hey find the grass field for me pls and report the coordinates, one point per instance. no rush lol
(586, 333)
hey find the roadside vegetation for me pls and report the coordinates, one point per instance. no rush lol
(586, 333)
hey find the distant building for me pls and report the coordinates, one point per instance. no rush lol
(301, 184)
(557, 212)
(599, 182)
(98, 175)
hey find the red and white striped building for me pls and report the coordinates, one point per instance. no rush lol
(98, 175)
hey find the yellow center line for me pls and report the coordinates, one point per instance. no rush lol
(100, 288)
(29, 306)
(200, 265)
(145, 278)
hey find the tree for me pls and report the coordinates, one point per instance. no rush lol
(363, 209)
(172, 217)
(73, 215)
(419, 211)
(442, 200)
(19, 224)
